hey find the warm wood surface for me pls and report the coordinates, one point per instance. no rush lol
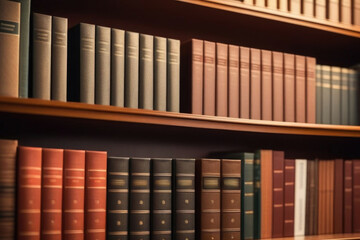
(324, 237)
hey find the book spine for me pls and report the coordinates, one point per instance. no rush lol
(117, 198)
(266, 86)
(173, 75)
(318, 93)
(51, 193)
(335, 95)
(345, 12)
(209, 78)
(310, 90)
(9, 48)
(139, 205)
(316, 198)
(333, 10)
(117, 67)
(338, 195)
(348, 196)
(260, 3)
(73, 195)
(300, 197)
(344, 117)
(353, 104)
(356, 195)
(272, 4)
(250, 194)
(41, 56)
(326, 95)
(300, 89)
(331, 170)
(266, 183)
(183, 210)
(278, 194)
(289, 197)
(230, 199)
(321, 190)
(234, 82)
(255, 84)
(131, 69)
(160, 59)
(146, 80)
(278, 86)
(356, 12)
(102, 65)
(7, 188)
(29, 193)
(289, 87)
(295, 7)
(208, 200)
(283, 5)
(308, 8)
(244, 82)
(161, 198)
(320, 9)
(221, 106)
(310, 188)
(59, 59)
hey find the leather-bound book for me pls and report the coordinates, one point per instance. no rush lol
(353, 93)
(160, 62)
(234, 83)
(28, 193)
(173, 75)
(356, 12)
(255, 84)
(117, 198)
(131, 69)
(183, 206)
(230, 199)
(117, 67)
(51, 193)
(300, 89)
(8, 154)
(208, 199)
(345, 12)
(335, 95)
(221, 104)
(300, 197)
(322, 198)
(310, 90)
(348, 196)
(309, 8)
(320, 9)
(289, 87)
(330, 184)
(326, 95)
(289, 197)
(266, 86)
(139, 199)
(249, 184)
(318, 94)
(344, 117)
(161, 193)
(146, 74)
(209, 78)
(244, 82)
(356, 196)
(338, 195)
(333, 9)
(95, 195)
(311, 198)
(73, 195)
(278, 194)
(278, 86)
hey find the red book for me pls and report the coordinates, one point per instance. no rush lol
(51, 193)
(209, 78)
(95, 195)
(278, 194)
(234, 84)
(348, 192)
(255, 84)
(356, 196)
(310, 90)
(289, 87)
(266, 85)
(29, 193)
(278, 86)
(300, 97)
(289, 197)
(221, 79)
(244, 82)
(73, 195)
(338, 195)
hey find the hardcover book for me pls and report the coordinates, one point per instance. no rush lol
(344, 89)
(310, 90)
(255, 84)
(311, 198)
(318, 94)
(173, 75)
(146, 74)
(320, 9)
(300, 89)
(278, 194)
(209, 78)
(356, 195)
(266, 86)
(333, 8)
(117, 67)
(300, 197)
(338, 195)
(353, 92)
(160, 62)
(278, 86)
(335, 95)
(308, 8)
(234, 82)
(244, 82)
(348, 196)
(131, 70)
(345, 12)
(221, 96)
(289, 197)
(289, 87)
(326, 95)
(249, 195)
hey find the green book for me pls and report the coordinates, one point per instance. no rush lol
(326, 95)
(335, 96)
(257, 195)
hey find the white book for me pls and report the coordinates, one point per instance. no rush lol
(300, 197)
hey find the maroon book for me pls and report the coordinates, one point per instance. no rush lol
(356, 196)
(348, 186)
(289, 197)
(278, 194)
(338, 195)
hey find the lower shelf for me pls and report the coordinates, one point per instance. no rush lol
(329, 237)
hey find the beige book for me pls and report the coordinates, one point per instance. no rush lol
(356, 12)
(117, 67)
(308, 8)
(295, 7)
(173, 76)
(160, 58)
(260, 3)
(272, 4)
(283, 5)
(146, 79)
(320, 9)
(132, 70)
(345, 13)
(333, 10)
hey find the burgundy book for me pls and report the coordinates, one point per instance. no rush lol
(278, 194)
(289, 87)
(209, 78)
(51, 193)
(289, 197)
(310, 90)
(73, 195)
(278, 86)
(255, 84)
(95, 195)
(266, 86)
(29, 193)
(221, 80)
(300, 97)
(244, 82)
(356, 196)
(234, 83)
(348, 195)
(338, 195)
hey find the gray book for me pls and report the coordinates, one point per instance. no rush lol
(335, 96)
(160, 55)
(344, 96)
(173, 75)
(132, 70)
(117, 67)
(102, 65)
(353, 94)
(146, 80)
(59, 59)
(318, 94)
(326, 95)
(41, 58)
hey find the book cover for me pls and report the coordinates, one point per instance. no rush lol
(311, 198)
(348, 196)
(308, 8)
(234, 82)
(326, 95)
(221, 87)
(356, 12)
(330, 186)
(250, 184)
(131, 70)
(338, 195)
(322, 197)
(146, 74)
(260, 3)
(353, 92)
(266, 86)
(160, 62)
(173, 75)
(283, 5)
(117, 67)
(320, 9)
(278, 86)
(295, 6)
(209, 78)
(289, 87)
(335, 95)
(255, 84)
(344, 93)
(318, 94)
(300, 89)
(289, 197)
(356, 195)
(333, 9)
(310, 90)
(278, 194)
(345, 12)
(300, 197)
(272, 4)
(244, 82)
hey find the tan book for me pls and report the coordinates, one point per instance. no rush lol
(278, 86)
(308, 8)
(356, 12)
(310, 90)
(283, 5)
(173, 75)
(272, 4)
(295, 6)
(320, 9)
(289, 87)
(345, 12)
(255, 84)
(160, 59)
(9, 48)
(260, 3)
(300, 89)
(146, 78)
(333, 10)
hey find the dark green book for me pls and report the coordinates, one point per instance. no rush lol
(353, 97)
(318, 93)
(344, 96)
(326, 95)
(335, 96)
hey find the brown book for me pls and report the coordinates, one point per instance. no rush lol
(234, 83)
(310, 90)
(289, 87)
(289, 197)
(221, 80)
(330, 183)
(348, 195)
(266, 183)
(244, 82)
(230, 199)
(209, 78)
(266, 86)
(278, 86)
(9, 48)
(356, 12)
(345, 12)
(356, 196)
(208, 199)
(311, 197)
(338, 195)
(278, 194)
(300, 92)
(255, 84)
(28, 193)
(321, 194)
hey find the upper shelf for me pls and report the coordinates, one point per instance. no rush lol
(117, 114)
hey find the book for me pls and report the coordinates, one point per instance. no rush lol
(330, 185)
(230, 198)
(160, 71)
(266, 86)
(283, 5)
(311, 197)
(51, 193)
(244, 82)
(356, 195)
(9, 48)
(146, 74)
(102, 65)
(278, 194)
(353, 92)
(209, 78)
(234, 82)
(308, 8)
(318, 94)
(335, 95)
(310, 90)
(300, 89)
(59, 59)
(41, 57)
(8, 154)
(208, 197)
(131, 70)
(289, 197)
(300, 197)
(322, 197)
(338, 195)
(348, 196)
(278, 86)
(73, 194)
(345, 12)
(173, 75)
(320, 9)
(260, 3)
(221, 89)
(117, 198)
(344, 93)
(255, 84)
(295, 7)
(333, 9)
(356, 12)
(117, 67)
(161, 193)
(28, 193)
(183, 205)
(95, 195)
(249, 196)
(272, 4)
(326, 94)
(289, 87)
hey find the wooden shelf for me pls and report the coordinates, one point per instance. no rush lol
(349, 236)
(117, 114)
